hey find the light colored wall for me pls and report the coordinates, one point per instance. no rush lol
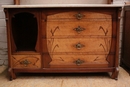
(3, 40)
(120, 1)
(62, 1)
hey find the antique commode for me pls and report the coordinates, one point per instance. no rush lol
(76, 38)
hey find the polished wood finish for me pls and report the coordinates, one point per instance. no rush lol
(69, 40)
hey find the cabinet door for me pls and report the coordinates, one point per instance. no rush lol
(126, 39)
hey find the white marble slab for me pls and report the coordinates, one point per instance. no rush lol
(62, 5)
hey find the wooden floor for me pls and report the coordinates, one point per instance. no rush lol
(66, 80)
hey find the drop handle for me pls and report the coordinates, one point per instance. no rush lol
(79, 46)
(78, 62)
(79, 29)
(79, 16)
(25, 63)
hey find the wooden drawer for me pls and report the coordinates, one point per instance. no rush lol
(63, 28)
(89, 44)
(79, 15)
(26, 61)
(79, 61)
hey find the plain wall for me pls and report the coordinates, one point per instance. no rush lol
(62, 1)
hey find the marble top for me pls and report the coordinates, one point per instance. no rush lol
(62, 5)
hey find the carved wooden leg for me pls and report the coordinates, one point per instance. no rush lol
(11, 74)
(115, 74)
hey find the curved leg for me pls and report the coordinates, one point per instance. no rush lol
(115, 74)
(11, 74)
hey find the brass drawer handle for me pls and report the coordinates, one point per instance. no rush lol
(79, 29)
(79, 46)
(78, 62)
(25, 63)
(79, 16)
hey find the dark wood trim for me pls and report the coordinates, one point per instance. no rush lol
(65, 70)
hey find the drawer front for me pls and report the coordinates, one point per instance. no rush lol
(79, 15)
(26, 61)
(63, 28)
(92, 45)
(79, 61)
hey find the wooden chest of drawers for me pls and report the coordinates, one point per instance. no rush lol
(63, 40)
(73, 41)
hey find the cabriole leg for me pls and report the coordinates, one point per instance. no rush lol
(11, 74)
(115, 74)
